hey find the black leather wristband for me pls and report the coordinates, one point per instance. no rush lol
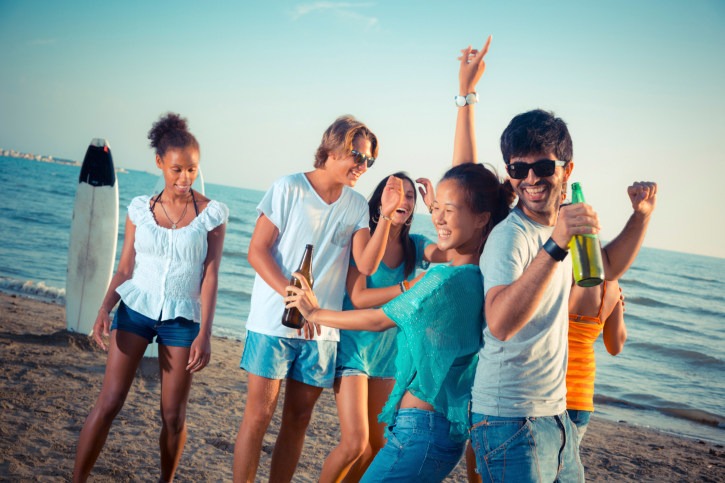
(556, 252)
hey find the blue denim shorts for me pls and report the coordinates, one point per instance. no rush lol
(418, 449)
(352, 371)
(311, 362)
(526, 450)
(581, 419)
(178, 332)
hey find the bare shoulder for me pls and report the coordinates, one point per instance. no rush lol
(201, 200)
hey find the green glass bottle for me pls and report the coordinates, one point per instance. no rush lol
(586, 251)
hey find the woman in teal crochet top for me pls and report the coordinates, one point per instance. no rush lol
(440, 323)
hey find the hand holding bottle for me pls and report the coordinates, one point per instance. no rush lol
(302, 298)
(392, 196)
(575, 219)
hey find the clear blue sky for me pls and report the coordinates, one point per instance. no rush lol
(639, 83)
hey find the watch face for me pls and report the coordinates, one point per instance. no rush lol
(460, 101)
(471, 98)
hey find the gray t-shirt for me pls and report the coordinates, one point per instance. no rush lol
(525, 375)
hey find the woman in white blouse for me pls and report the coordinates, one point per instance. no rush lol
(176, 238)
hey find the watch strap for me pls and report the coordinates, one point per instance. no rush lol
(556, 252)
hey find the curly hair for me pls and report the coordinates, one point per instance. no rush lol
(483, 192)
(338, 139)
(536, 132)
(171, 132)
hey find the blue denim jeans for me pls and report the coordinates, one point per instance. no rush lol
(581, 419)
(418, 449)
(540, 449)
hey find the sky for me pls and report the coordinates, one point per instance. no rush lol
(640, 85)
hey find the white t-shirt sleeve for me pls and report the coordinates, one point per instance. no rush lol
(504, 257)
(363, 219)
(275, 204)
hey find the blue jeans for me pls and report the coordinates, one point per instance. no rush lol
(534, 449)
(418, 449)
(581, 419)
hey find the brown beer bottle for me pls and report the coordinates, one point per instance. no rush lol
(292, 318)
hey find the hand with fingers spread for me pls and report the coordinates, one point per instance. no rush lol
(101, 328)
(392, 196)
(576, 219)
(303, 299)
(426, 191)
(643, 196)
(200, 353)
(472, 67)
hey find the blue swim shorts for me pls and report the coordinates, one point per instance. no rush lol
(178, 332)
(311, 362)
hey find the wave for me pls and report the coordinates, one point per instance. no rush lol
(679, 275)
(237, 219)
(235, 254)
(689, 414)
(235, 294)
(28, 287)
(663, 325)
(240, 231)
(692, 357)
(648, 302)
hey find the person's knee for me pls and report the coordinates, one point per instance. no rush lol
(354, 445)
(110, 405)
(174, 419)
(258, 416)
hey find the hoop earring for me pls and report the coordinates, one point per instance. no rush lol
(410, 221)
(376, 220)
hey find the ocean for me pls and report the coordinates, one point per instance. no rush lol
(670, 375)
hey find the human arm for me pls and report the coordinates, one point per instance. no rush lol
(368, 250)
(619, 254)
(304, 299)
(363, 297)
(471, 70)
(200, 353)
(260, 256)
(124, 272)
(615, 332)
(509, 307)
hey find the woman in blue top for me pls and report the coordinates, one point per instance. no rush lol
(366, 360)
(440, 322)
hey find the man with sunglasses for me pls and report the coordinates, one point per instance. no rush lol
(519, 419)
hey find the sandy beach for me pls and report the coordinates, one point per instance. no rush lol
(50, 379)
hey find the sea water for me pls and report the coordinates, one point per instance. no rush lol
(670, 375)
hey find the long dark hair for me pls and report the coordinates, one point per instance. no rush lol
(409, 255)
(484, 193)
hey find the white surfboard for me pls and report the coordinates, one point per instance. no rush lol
(93, 238)
(153, 348)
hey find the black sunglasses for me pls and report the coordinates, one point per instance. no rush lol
(360, 158)
(543, 168)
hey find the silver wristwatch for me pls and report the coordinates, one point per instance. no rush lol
(471, 98)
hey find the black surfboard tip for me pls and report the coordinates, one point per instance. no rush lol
(97, 168)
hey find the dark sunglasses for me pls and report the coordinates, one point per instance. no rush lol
(543, 168)
(360, 158)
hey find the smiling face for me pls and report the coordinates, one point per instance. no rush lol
(343, 169)
(180, 168)
(458, 227)
(540, 198)
(405, 211)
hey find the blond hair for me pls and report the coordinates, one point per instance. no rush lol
(338, 139)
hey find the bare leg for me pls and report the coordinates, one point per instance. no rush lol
(473, 477)
(299, 401)
(175, 386)
(378, 393)
(262, 396)
(124, 353)
(351, 397)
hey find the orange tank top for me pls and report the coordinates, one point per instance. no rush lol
(583, 331)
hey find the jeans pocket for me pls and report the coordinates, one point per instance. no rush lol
(440, 460)
(399, 436)
(505, 451)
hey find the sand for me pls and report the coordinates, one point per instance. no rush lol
(50, 379)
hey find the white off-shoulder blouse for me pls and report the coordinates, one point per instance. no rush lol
(169, 263)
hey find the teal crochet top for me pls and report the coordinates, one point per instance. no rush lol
(440, 322)
(374, 352)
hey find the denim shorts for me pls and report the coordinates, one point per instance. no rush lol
(178, 332)
(352, 371)
(311, 362)
(418, 449)
(527, 450)
(580, 418)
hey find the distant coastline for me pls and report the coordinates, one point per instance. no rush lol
(45, 159)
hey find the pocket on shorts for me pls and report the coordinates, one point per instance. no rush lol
(440, 459)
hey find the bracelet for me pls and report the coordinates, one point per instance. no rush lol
(388, 218)
(406, 285)
(104, 308)
(402, 287)
(556, 252)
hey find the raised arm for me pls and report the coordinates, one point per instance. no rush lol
(304, 299)
(470, 71)
(123, 273)
(200, 353)
(368, 250)
(620, 253)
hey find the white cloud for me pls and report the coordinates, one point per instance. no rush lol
(42, 41)
(343, 9)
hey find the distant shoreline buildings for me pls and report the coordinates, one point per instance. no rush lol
(44, 159)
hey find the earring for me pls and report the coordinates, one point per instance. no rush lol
(410, 221)
(376, 220)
